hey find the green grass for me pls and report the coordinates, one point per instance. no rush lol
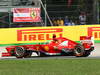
(50, 67)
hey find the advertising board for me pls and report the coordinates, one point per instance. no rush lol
(44, 34)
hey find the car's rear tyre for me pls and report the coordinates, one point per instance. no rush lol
(19, 52)
(86, 54)
(79, 50)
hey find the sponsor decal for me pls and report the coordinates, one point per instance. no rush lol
(46, 48)
(95, 32)
(38, 34)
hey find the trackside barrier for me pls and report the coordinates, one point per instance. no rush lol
(44, 34)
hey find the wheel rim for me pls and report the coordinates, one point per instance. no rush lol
(19, 51)
(78, 52)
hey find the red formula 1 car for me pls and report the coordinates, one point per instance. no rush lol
(58, 46)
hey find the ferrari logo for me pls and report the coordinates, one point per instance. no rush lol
(46, 48)
(33, 14)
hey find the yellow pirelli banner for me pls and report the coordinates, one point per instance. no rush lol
(44, 34)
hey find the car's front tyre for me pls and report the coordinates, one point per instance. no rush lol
(19, 52)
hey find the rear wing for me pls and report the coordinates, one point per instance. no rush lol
(87, 39)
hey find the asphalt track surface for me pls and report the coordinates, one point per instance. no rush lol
(94, 54)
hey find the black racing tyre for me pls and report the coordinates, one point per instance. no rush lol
(91, 49)
(79, 50)
(19, 52)
(86, 53)
(27, 54)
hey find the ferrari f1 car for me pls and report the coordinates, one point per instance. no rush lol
(58, 46)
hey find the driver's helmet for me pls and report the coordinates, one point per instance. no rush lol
(54, 37)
